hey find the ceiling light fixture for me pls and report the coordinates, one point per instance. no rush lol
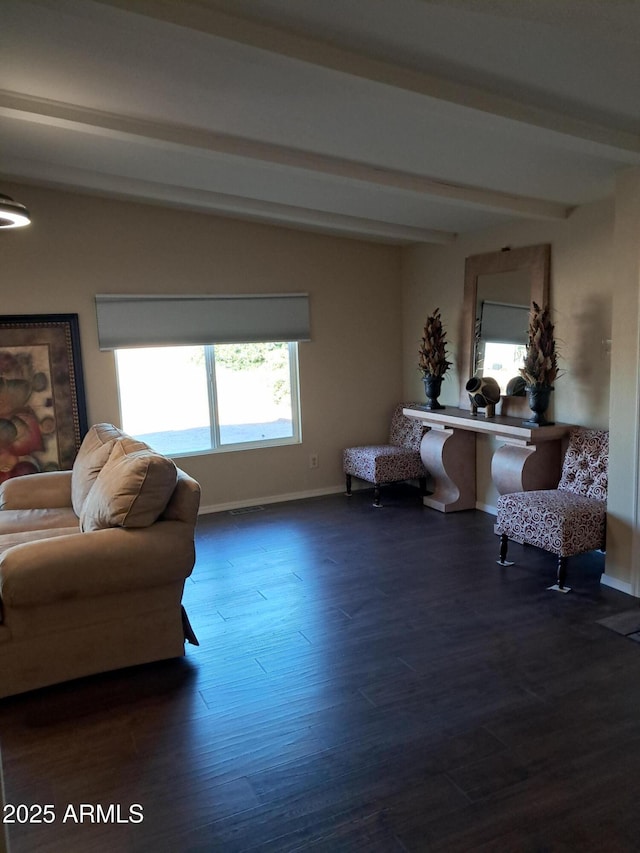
(12, 213)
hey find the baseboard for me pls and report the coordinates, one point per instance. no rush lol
(614, 583)
(297, 496)
(492, 510)
(271, 499)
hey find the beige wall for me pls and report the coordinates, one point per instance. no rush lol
(623, 513)
(581, 297)
(350, 373)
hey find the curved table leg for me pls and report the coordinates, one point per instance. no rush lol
(524, 468)
(449, 455)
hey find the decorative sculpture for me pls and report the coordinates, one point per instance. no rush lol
(484, 393)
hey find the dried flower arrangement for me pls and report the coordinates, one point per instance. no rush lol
(541, 360)
(433, 347)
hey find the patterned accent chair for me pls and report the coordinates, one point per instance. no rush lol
(568, 520)
(389, 463)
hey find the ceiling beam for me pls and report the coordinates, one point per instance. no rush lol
(202, 201)
(282, 42)
(58, 114)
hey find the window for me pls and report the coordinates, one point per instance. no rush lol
(502, 335)
(502, 361)
(196, 399)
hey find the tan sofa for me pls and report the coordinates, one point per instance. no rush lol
(93, 563)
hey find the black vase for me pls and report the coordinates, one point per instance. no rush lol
(539, 397)
(432, 386)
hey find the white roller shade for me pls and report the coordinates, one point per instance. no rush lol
(143, 321)
(504, 323)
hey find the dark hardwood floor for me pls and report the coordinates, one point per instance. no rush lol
(367, 680)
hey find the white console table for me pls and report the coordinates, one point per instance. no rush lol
(528, 458)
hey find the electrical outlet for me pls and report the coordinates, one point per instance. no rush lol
(313, 460)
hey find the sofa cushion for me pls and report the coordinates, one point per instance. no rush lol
(131, 490)
(19, 520)
(92, 455)
(8, 540)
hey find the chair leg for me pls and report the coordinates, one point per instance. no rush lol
(348, 479)
(559, 586)
(562, 571)
(504, 547)
(376, 496)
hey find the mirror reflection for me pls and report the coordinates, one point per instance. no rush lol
(499, 288)
(501, 321)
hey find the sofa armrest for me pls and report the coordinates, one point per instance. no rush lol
(49, 490)
(100, 562)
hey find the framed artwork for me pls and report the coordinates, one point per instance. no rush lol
(43, 415)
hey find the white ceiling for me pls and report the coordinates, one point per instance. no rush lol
(399, 120)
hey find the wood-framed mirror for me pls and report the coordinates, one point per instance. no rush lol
(499, 288)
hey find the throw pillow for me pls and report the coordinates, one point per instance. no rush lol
(132, 490)
(92, 455)
(130, 445)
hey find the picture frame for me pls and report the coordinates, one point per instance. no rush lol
(43, 416)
